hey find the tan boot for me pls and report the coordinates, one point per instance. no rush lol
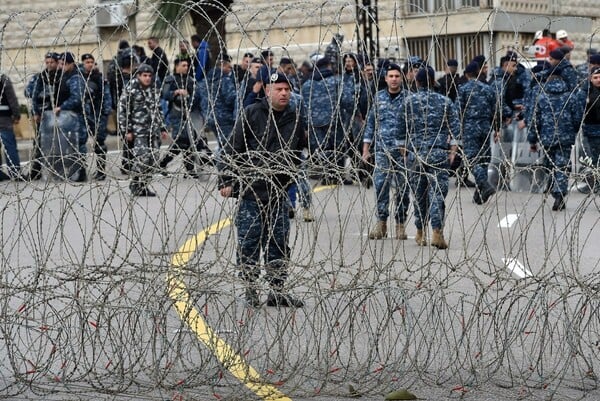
(307, 215)
(379, 231)
(420, 238)
(400, 231)
(437, 239)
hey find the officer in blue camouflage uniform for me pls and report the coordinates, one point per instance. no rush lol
(591, 122)
(178, 91)
(383, 134)
(476, 103)
(141, 119)
(555, 120)
(429, 122)
(41, 91)
(561, 66)
(219, 99)
(69, 95)
(99, 104)
(325, 106)
(262, 156)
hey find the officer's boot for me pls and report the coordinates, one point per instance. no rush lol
(379, 231)
(100, 150)
(277, 297)
(420, 238)
(401, 231)
(437, 239)
(189, 162)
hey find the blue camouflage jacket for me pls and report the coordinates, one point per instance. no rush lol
(430, 123)
(383, 125)
(556, 115)
(218, 98)
(322, 97)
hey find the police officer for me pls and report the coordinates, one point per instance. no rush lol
(42, 99)
(322, 96)
(476, 103)
(555, 121)
(449, 83)
(69, 96)
(120, 72)
(99, 102)
(178, 91)
(9, 114)
(591, 122)
(141, 120)
(263, 152)
(219, 99)
(429, 122)
(383, 135)
(560, 65)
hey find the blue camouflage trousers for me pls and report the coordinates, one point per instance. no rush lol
(390, 168)
(263, 227)
(477, 149)
(429, 183)
(557, 161)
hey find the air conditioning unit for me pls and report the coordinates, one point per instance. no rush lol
(114, 14)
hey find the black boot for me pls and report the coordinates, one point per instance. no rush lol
(139, 188)
(280, 299)
(487, 193)
(100, 150)
(559, 203)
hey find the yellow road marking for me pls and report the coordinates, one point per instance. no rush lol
(228, 357)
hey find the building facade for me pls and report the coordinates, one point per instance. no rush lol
(432, 29)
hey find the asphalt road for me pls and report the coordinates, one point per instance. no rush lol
(507, 312)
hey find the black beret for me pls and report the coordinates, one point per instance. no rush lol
(53, 55)
(595, 59)
(285, 61)
(87, 56)
(323, 62)
(425, 73)
(452, 63)
(557, 54)
(472, 68)
(248, 55)
(276, 78)
(68, 57)
(479, 60)
(266, 53)
(393, 66)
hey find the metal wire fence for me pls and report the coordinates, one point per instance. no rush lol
(128, 298)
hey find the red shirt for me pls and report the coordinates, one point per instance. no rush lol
(544, 46)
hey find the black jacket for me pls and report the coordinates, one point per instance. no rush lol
(263, 152)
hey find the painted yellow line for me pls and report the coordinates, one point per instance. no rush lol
(228, 357)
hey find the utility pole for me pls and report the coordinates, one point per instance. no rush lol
(367, 28)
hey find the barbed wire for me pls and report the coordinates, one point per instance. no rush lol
(126, 298)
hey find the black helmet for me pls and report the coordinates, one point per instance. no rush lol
(144, 68)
